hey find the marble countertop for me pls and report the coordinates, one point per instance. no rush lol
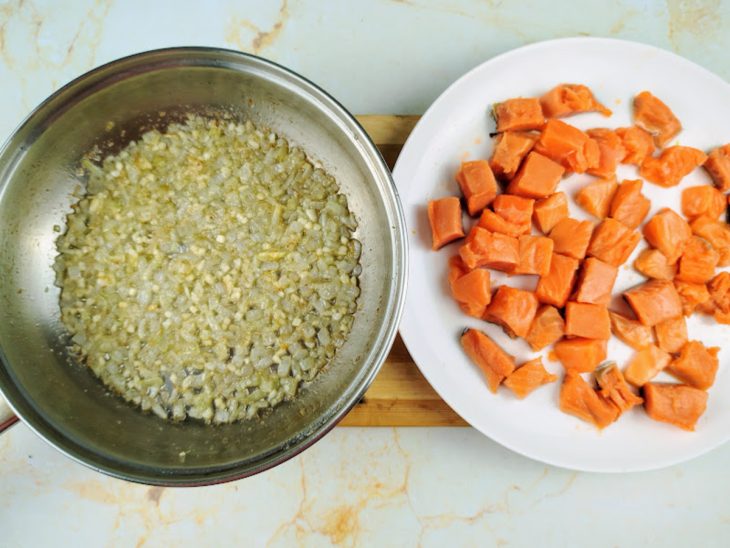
(376, 486)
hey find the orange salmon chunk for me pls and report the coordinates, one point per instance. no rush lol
(590, 321)
(477, 184)
(444, 215)
(675, 404)
(537, 178)
(495, 363)
(513, 309)
(654, 301)
(518, 114)
(549, 211)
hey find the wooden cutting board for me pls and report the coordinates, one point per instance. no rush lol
(399, 395)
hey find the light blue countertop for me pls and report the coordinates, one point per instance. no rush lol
(378, 486)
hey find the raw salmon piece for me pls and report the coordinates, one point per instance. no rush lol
(549, 211)
(580, 355)
(718, 166)
(719, 288)
(671, 335)
(613, 242)
(654, 116)
(638, 144)
(513, 309)
(547, 327)
(703, 200)
(515, 209)
(633, 333)
(536, 252)
(527, 377)
(611, 152)
(492, 222)
(568, 146)
(510, 149)
(692, 295)
(490, 249)
(696, 365)
(646, 364)
(537, 178)
(629, 205)
(518, 114)
(669, 233)
(579, 399)
(571, 237)
(613, 388)
(596, 197)
(494, 362)
(672, 166)
(477, 184)
(555, 288)
(444, 215)
(698, 261)
(457, 269)
(595, 282)
(589, 321)
(473, 292)
(717, 233)
(675, 404)
(567, 99)
(653, 264)
(654, 301)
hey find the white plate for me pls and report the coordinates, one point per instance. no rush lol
(457, 127)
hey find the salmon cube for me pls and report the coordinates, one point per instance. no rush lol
(473, 292)
(675, 404)
(654, 116)
(555, 288)
(629, 206)
(568, 146)
(696, 365)
(669, 233)
(518, 114)
(549, 211)
(692, 295)
(492, 222)
(613, 242)
(613, 388)
(515, 210)
(633, 333)
(654, 301)
(703, 200)
(611, 152)
(571, 237)
(646, 364)
(490, 249)
(698, 261)
(444, 215)
(513, 309)
(547, 328)
(457, 269)
(717, 233)
(652, 263)
(672, 166)
(537, 178)
(527, 377)
(596, 197)
(595, 282)
(510, 149)
(580, 355)
(495, 363)
(719, 288)
(589, 321)
(477, 184)
(567, 99)
(536, 252)
(638, 144)
(718, 166)
(579, 399)
(671, 335)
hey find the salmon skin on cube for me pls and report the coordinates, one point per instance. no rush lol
(613, 242)
(669, 233)
(638, 144)
(717, 233)
(473, 292)
(692, 295)
(567, 99)
(527, 377)
(613, 387)
(518, 114)
(555, 288)
(590, 321)
(671, 335)
(654, 301)
(672, 165)
(652, 263)
(629, 206)
(633, 333)
(675, 404)
(513, 309)
(536, 252)
(698, 261)
(646, 364)
(444, 215)
(596, 197)
(477, 184)
(703, 200)
(490, 249)
(495, 363)
(547, 328)
(718, 166)
(577, 398)
(654, 116)
(696, 365)
(515, 209)
(611, 152)
(571, 237)
(548, 211)
(510, 149)
(580, 355)
(568, 146)
(537, 178)
(595, 282)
